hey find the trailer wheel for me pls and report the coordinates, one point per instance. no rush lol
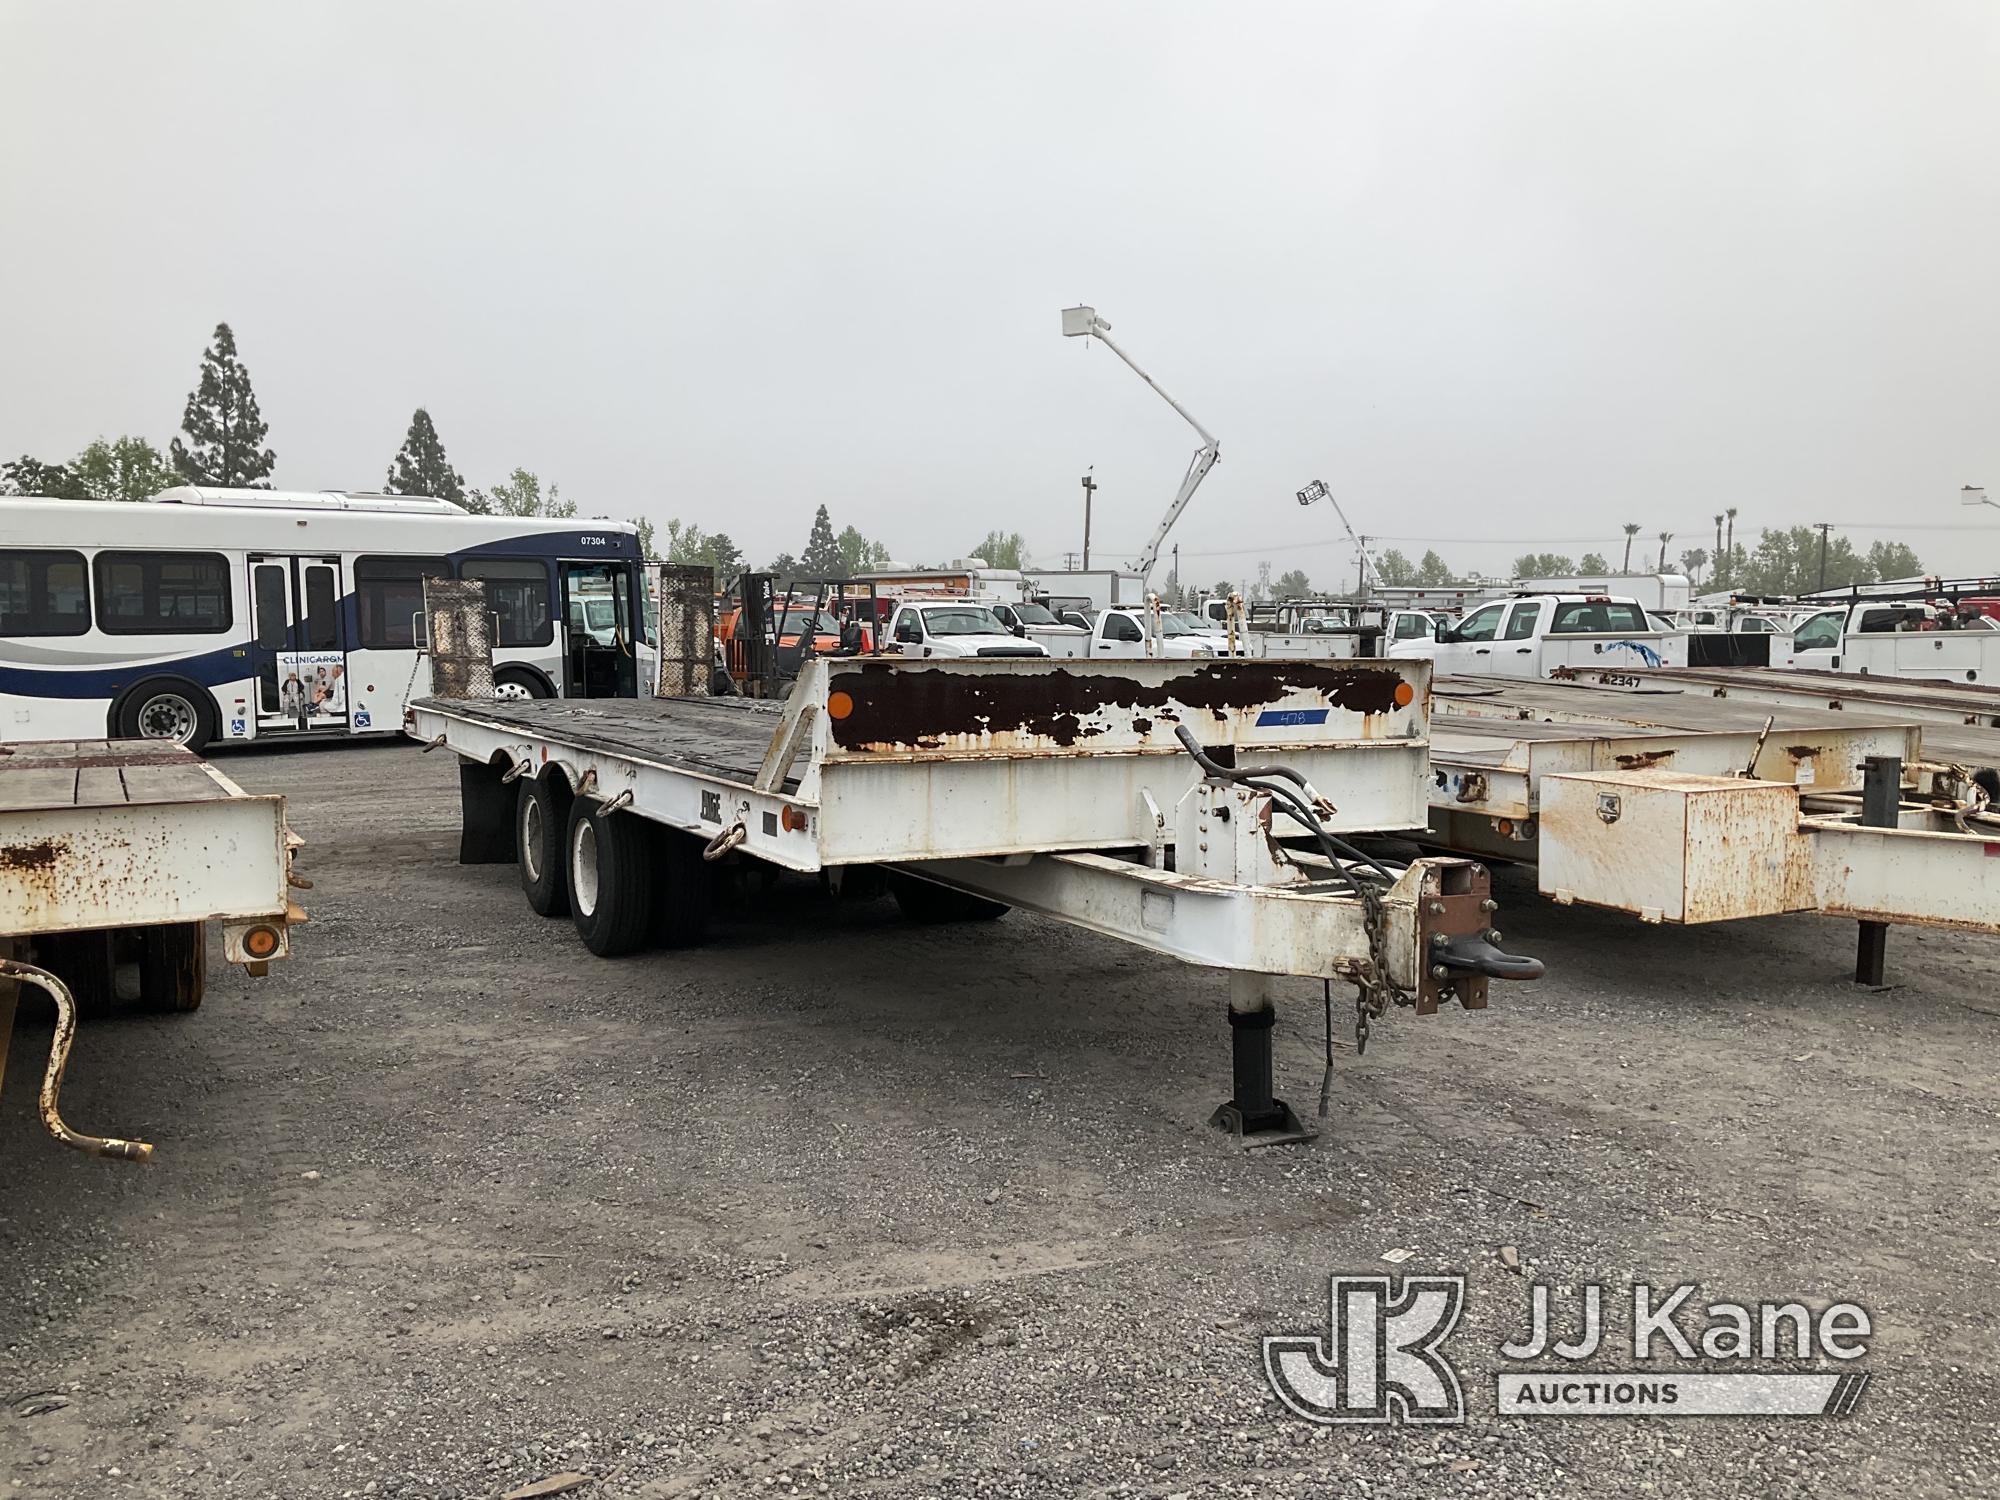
(610, 879)
(541, 820)
(932, 904)
(685, 890)
(173, 966)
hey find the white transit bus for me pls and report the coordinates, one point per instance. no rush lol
(207, 615)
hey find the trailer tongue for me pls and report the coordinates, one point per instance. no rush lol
(1199, 810)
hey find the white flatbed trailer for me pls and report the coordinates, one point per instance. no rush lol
(968, 787)
(114, 854)
(1674, 804)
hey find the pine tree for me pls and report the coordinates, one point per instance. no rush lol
(821, 559)
(421, 467)
(224, 424)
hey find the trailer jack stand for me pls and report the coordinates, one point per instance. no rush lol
(1252, 1115)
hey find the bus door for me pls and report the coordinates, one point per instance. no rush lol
(299, 648)
(598, 658)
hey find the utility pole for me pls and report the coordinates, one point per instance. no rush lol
(1089, 488)
(1361, 569)
(1824, 528)
(1177, 573)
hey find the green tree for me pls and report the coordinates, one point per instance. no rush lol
(1003, 549)
(420, 466)
(821, 559)
(783, 566)
(1223, 589)
(1293, 584)
(1888, 560)
(1543, 565)
(1433, 572)
(859, 555)
(724, 556)
(1631, 530)
(128, 469)
(686, 543)
(225, 429)
(823, 551)
(27, 475)
(1395, 570)
(1594, 562)
(1788, 562)
(520, 494)
(645, 530)
(1693, 560)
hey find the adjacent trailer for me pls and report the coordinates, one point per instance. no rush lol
(1200, 810)
(114, 854)
(1682, 806)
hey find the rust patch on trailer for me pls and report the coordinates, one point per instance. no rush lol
(1803, 752)
(1643, 760)
(907, 708)
(42, 854)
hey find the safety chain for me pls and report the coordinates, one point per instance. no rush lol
(1374, 991)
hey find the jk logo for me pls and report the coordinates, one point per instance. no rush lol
(1379, 1361)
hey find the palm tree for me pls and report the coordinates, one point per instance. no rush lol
(1665, 537)
(1692, 560)
(1717, 553)
(1631, 530)
(1729, 549)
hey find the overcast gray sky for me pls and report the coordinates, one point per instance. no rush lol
(1512, 271)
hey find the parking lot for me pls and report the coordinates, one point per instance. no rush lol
(838, 1205)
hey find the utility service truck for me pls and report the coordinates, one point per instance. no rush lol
(1546, 635)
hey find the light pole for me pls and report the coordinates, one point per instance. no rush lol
(1089, 489)
(1975, 494)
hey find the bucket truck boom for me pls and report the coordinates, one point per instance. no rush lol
(1084, 322)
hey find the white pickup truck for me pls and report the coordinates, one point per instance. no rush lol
(955, 628)
(1535, 634)
(1123, 633)
(1890, 639)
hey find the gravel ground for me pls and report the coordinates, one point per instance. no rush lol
(839, 1206)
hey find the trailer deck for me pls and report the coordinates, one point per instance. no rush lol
(1682, 806)
(114, 854)
(1105, 794)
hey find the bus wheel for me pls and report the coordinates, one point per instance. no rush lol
(167, 709)
(684, 891)
(173, 966)
(930, 904)
(540, 816)
(610, 879)
(514, 684)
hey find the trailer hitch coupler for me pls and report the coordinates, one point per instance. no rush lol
(1471, 953)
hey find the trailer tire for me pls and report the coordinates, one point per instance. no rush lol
(932, 905)
(173, 967)
(684, 892)
(541, 824)
(610, 867)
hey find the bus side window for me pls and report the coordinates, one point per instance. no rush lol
(43, 593)
(389, 595)
(517, 591)
(163, 593)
